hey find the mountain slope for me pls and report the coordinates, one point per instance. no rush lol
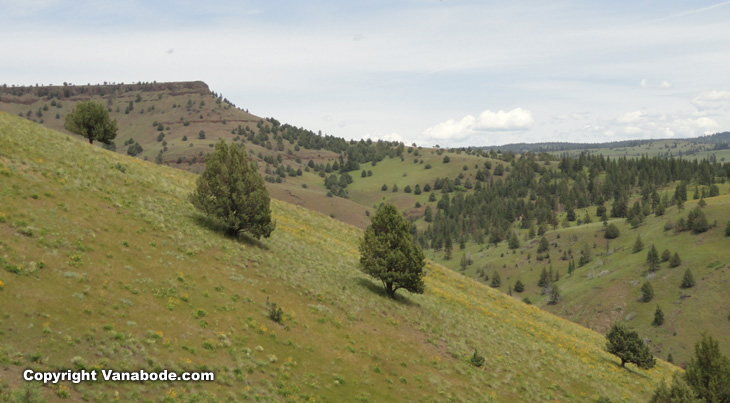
(106, 265)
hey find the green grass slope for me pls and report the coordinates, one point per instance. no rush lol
(105, 264)
(608, 288)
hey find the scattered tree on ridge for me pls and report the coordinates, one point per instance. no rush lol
(678, 392)
(652, 258)
(688, 281)
(708, 372)
(675, 260)
(658, 317)
(647, 292)
(519, 286)
(91, 120)
(232, 192)
(388, 253)
(612, 231)
(628, 346)
(638, 245)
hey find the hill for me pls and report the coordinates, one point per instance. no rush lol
(107, 265)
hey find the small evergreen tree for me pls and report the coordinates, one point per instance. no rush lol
(727, 229)
(388, 253)
(554, 295)
(519, 286)
(496, 280)
(476, 359)
(628, 346)
(666, 255)
(611, 232)
(544, 280)
(647, 292)
(652, 258)
(514, 242)
(232, 192)
(91, 120)
(688, 281)
(448, 247)
(658, 317)
(675, 260)
(678, 392)
(638, 245)
(571, 267)
(543, 246)
(708, 372)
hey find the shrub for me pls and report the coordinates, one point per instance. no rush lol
(476, 359)
(276, 313)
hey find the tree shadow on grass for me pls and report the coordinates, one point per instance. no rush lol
(379, 290)
(635, 370)
(214, 226)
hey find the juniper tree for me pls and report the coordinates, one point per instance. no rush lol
(658, 317)
(652, 258)
(675, 260)
(628, 346)
(688, 281)
(638, 245)
(666, 255)
(496, 280)
(91, 120)
(231, 192)
(519, 286)
(647, 292)
(708, 372)
(388, 253)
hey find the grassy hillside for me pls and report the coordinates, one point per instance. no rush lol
(106, 265)
(608, 288)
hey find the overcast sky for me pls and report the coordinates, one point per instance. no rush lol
(445, 72)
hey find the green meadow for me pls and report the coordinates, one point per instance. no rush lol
(106, 265)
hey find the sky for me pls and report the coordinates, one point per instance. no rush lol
(432, 72)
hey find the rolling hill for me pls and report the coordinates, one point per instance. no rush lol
(107, 265)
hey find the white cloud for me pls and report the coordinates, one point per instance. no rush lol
(665, 85)
(516, 119)
(712, 100)
(644, 83)
(630, 117)
(451, 129)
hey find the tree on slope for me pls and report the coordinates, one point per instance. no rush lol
(628, 346)
(91, 120)
(388, 253)
(231, 192)
(708, 372)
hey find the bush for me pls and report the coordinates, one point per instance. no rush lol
(476, 359)
(276, 313)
